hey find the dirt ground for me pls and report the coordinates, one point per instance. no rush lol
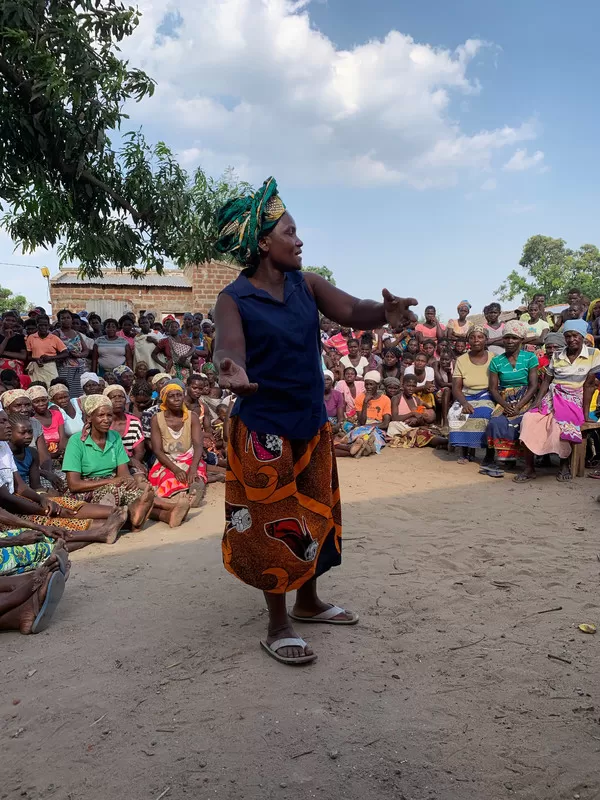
(150, 682)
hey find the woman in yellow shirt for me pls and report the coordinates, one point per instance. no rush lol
(473, 405)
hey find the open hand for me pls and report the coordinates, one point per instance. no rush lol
(397, 309)
(233, 377)
(27, 537)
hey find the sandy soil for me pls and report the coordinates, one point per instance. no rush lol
(150, 682)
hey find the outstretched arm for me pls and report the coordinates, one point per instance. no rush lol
(349, 311)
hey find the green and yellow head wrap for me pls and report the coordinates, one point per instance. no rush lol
(243, 220)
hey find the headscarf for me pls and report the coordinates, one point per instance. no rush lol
(479, 329)
(172, 387)
(373, 375)
(115, 387)
(89, 377)
(327, 373)
(57, 389)
(577, 325)
(590, 313)
(242, 221)
(35, 392)
(514, 327)
(10, 395)
(387, 382)
(122, 370)
(208, 367)
(464, 303)
(556, 338)
(159, 377)
(90, 404)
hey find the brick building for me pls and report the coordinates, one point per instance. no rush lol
(194, 288)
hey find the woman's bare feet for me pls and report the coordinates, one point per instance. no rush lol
(180, 510)
(110, 530)
(197, 492)
(140, 509)
(309, 604)
(287, 632)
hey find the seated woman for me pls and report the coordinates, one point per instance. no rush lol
(411, 420)
(562, 404)
(90, 384)
(141, 398)
(333, 362)
(97, 466)
(513, 383)
(53, 429)
(442, 373)
(473, 405)
(425, 380)
(77, 522)
(177, 443)
(350, 389)
(69, 408)
(334, 403)
(374, 412)
(129, 428)
(28, 601)
(125, 378)
(390, 367)
(553, 343)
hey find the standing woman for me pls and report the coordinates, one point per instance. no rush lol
(282, 500)
(458, 329)
(110, 350)
(473, 404)
(71, 369)
(13, 352)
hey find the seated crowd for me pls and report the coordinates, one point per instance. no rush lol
(517, 389)
(105, 424)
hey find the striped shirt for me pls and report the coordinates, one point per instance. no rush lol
(133, 434)
(517, 375)
(563, 372)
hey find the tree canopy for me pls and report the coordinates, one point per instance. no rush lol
(12, 302)
(324, 272)
(63, 88)
(551, 268)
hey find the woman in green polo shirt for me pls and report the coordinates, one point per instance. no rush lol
(513, 384)
(96, 464)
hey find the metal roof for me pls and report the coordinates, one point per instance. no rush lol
(172, 278)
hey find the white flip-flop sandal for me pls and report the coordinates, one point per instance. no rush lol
(327, 616)
(289, 642)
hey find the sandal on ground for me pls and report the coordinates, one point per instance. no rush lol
(54, 592)
(290, 642)
(564, 477)
(328, 616)
(523, 478)
(463, 460)
(595, 474)
(491, 472)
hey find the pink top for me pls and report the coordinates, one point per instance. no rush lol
(340, 344)
(51, 433)
(429, 333)
(343, 387)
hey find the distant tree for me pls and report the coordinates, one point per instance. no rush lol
(63, 89)
(10, 301)
(550, 267)
(324, 272)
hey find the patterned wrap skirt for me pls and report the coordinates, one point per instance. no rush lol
(469, 430)
(282, 508)
(23, 557)
(502, 431)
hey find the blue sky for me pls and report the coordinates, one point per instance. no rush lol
(419, 160)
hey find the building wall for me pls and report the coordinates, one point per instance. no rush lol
(207, 281)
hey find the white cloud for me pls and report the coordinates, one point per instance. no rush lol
(489, 185)
(520, 161)
(250, 83)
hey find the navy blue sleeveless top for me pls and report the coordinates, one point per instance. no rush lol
(283, 356)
